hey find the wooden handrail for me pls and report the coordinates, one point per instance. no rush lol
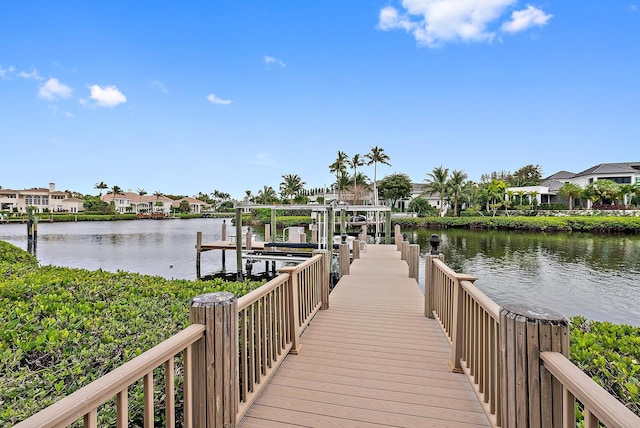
(88, 398)
(490, 307)
(596, 399)
(260, 292)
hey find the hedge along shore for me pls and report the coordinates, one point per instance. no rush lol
(592, 224)
(62, 328)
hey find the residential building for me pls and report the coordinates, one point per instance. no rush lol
(547, 191)
(133, 203)
(40, 198)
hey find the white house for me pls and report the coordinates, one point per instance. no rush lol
(40, 198)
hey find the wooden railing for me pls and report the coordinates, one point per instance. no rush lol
(516, 358)
(230, 350)
(271, 320)
(83, 403)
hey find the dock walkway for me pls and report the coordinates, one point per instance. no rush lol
(372, 359)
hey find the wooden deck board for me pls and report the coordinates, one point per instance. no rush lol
(372, 359)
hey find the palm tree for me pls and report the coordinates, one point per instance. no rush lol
(266, 195)
(455, 187)
(100, 186)
(571, 191)
(157, 194)
(494, 191)
(291, 185)
(115, 190)
(141, 193)
(355, 161)
(437, 183)
(339, 168)
(376, 156)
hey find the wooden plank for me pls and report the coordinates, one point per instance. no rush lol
(372, 359)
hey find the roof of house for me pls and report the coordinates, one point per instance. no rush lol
(190, 200)
(552, 185)
(560, 175)
(612, 168)
(136, 198)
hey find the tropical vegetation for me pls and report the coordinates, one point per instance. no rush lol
(62, 328)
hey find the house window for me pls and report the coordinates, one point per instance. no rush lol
(45, 200)
(619, 180)
(590, 180)
(36, 200)
(28, 200)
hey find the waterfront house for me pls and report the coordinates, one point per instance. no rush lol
(42, 199)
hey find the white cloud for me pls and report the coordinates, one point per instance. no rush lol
(32, 75)
(160, 86)
(108, 96)
(435, 22)
(4, 72)
(215, 100)
(53, 89)
(271, 60)
(264, 159)
(524, 19)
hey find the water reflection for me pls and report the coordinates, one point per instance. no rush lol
(592, 275)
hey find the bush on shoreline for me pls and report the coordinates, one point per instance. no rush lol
(62, 328)
(629, 225)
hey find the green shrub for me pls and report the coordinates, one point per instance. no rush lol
(62, 328)
(598, 224)
(10, 254)
(610, 355)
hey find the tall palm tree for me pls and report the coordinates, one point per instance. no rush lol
(291, 185)
(115, 190)
(455, 188)
(376, 156)
(141, 193)
(339, 168)
(100, 186)
(266, 195)
(355, 162)
(437, 183)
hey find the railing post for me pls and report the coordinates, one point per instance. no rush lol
(428, 282)
(223, 234)
(215, 360)
(404, 248)
(267, 232)
(529, 395)
(414, 261)
(344, 257)
(294, 311)
(248, 240)
(457, 326)
(429, 272)
(326, 260)
(356, 249)
(397, 237)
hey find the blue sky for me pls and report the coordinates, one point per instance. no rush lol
(183, 97)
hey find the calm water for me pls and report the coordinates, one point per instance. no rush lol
(574, 274)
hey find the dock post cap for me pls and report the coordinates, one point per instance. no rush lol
(220, 298)
(533, 312)
(435, 241)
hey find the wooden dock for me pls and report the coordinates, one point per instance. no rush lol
(372, 359)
